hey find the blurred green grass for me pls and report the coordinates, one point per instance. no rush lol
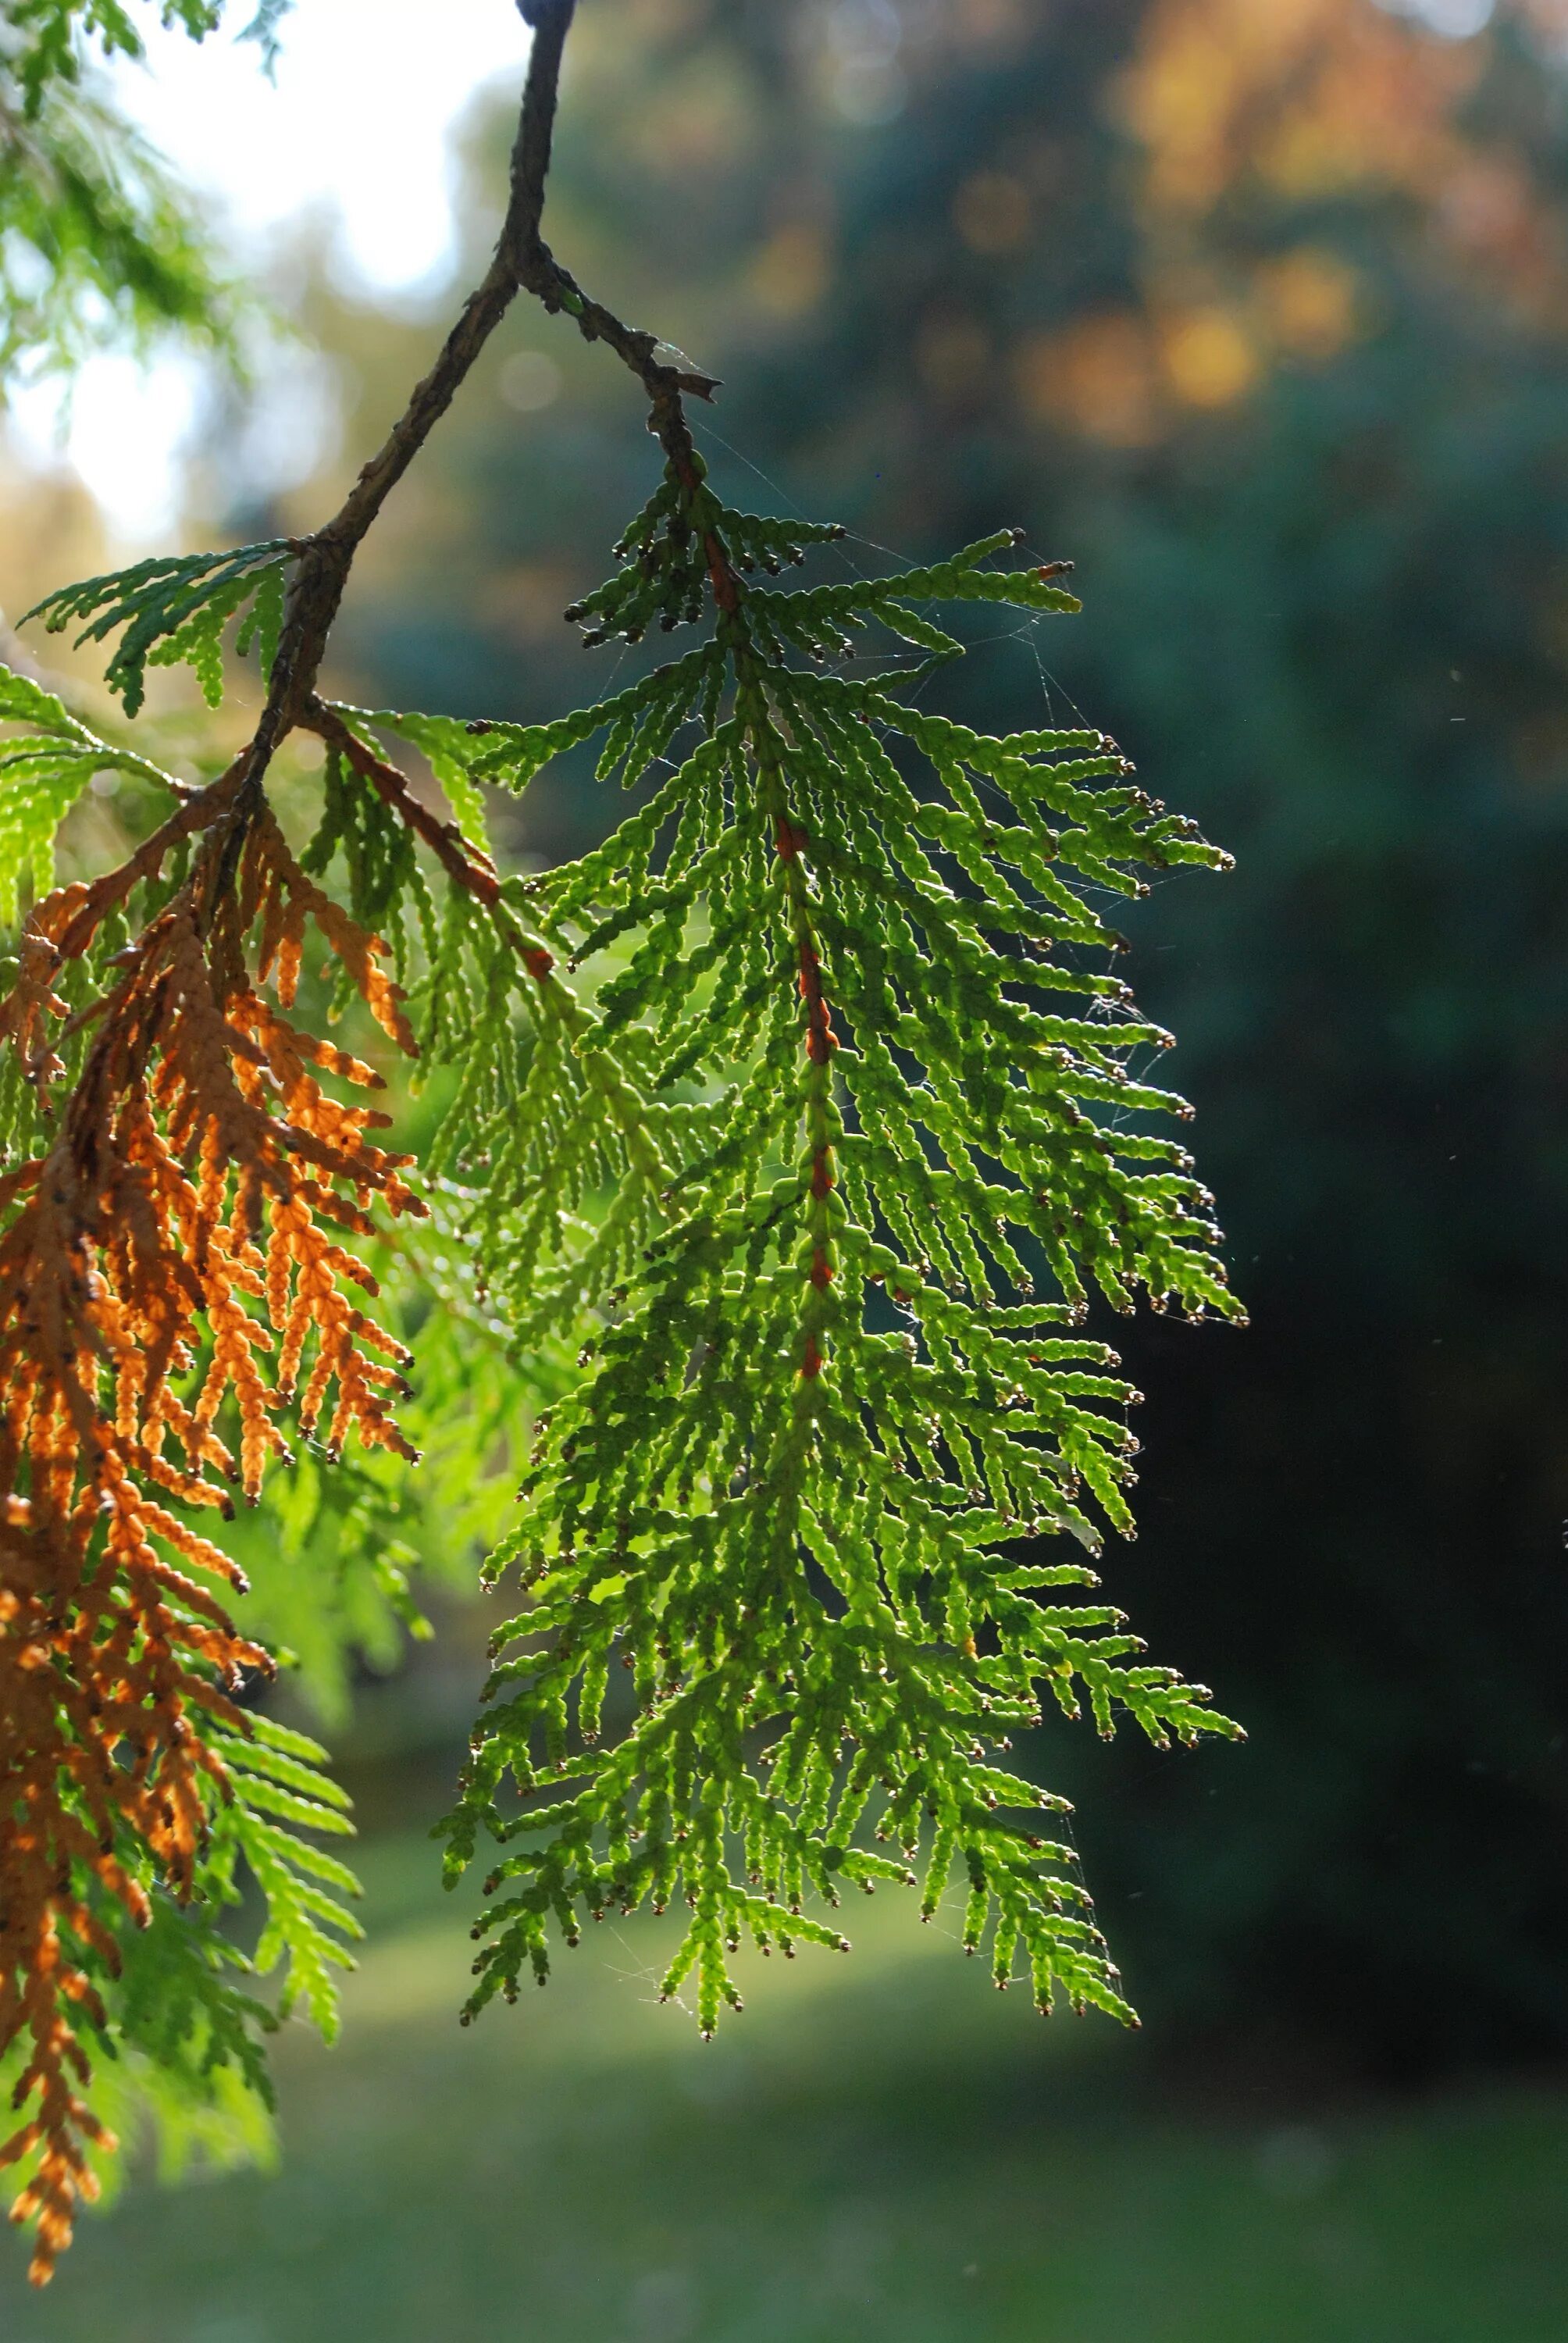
(880, 2148)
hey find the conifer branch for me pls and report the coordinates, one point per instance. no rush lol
(820, 1170)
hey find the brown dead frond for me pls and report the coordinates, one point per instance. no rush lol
(171, 1281)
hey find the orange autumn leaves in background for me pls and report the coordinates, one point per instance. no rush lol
(1231, 111)
(1299, 103)
(177, 1237)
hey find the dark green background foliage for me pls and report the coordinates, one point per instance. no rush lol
(1325, 620)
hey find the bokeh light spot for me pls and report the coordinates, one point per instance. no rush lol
(791, 271)
(1096, 378)
(1310, 300)
(530, 380)
(1210, 359)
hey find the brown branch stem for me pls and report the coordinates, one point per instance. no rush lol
(199, 811)
(327, 555)
(521, 262)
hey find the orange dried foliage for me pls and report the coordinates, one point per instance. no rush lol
(166, 1266)
(1315, 99)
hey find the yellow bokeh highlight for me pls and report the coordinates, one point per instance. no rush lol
(1096, 378)
(792, 271)
(1310, 300)
(1208, 357)
(1311, 95)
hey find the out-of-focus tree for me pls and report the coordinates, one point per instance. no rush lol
(99, 244)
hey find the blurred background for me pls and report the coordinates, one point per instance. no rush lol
(1257, 310)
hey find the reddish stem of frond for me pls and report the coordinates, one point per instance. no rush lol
(820, 1044)
(725, 585)
(669, 424)
(820, 1039)
(198, 813)
(464, 862)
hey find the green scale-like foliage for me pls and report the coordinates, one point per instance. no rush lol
(175, 609)
(45, 763)
(869, 1085)
(48, 758)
